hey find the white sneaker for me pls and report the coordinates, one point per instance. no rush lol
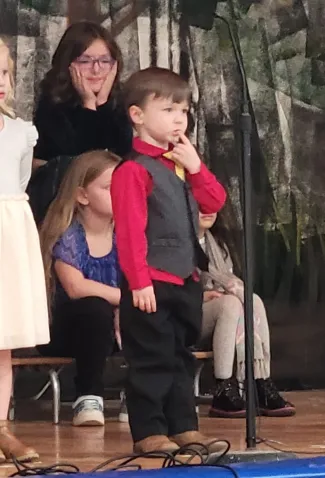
(123, 415)
(88, 411)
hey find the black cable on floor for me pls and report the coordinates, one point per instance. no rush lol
(194, 450)
(57, 469)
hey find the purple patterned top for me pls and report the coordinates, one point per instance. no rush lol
(72, 249)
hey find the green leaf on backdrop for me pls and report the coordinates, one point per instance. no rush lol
(41, 6)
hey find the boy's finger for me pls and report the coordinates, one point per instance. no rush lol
(148, 305)
(142, 305)
(135, 301)
(184, 139)
(153, 303)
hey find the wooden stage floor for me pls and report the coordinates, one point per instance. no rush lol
(87, 447)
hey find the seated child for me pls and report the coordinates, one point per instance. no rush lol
(223, 328)
(83, 276)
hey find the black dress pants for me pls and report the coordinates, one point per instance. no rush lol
(83, 329)
(159, 392)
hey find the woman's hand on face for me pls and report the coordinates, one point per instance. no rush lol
(107, 86)
(210, 295)
(81, 85)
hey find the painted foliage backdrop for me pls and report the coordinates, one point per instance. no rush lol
(283, 47)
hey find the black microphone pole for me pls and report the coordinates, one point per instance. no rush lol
(246, 130)
(201, 15)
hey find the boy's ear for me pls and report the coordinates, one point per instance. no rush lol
(82, 197)
(136, 115)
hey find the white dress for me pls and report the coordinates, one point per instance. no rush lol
(23, 306)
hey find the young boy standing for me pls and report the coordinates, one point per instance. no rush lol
(156, 195)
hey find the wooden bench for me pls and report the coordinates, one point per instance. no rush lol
(54, 366)
(201, 359)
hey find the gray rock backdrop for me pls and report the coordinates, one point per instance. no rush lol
(283, 47)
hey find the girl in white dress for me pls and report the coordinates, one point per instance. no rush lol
(23, 304)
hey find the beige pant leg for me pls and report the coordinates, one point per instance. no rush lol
(219, 327)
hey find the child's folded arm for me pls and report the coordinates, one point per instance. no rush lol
(77, 286)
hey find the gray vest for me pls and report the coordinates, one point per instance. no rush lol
(172, 221)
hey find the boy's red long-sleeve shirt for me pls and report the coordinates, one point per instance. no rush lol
(131, 186)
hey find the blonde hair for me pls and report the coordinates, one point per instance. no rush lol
(82, 171)
(7, 107)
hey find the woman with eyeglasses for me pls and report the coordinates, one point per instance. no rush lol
(79, 108)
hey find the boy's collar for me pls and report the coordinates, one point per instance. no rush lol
(149, 149)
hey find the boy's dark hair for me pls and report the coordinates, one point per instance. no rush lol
(160, 82)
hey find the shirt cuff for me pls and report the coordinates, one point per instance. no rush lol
(139, 281)
(200, 178)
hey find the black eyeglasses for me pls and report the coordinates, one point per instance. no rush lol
(89, 62)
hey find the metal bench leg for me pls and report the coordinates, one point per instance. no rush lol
(55, 382)
(46, 386)
(198, 370)
(42, 391)
(11, 413)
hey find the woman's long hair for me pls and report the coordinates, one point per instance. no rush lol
(223, 231)
(57, 85)
(65, 207)
(6, 107)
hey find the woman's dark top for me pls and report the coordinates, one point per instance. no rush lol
(65, 131)
(68, 130)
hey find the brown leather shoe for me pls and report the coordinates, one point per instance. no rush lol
(10, 445)
(158, 443)
(186, 438)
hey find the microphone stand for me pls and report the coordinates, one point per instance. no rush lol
(246, 129)
(246, 192)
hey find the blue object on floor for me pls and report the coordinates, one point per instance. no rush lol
(296, 468)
